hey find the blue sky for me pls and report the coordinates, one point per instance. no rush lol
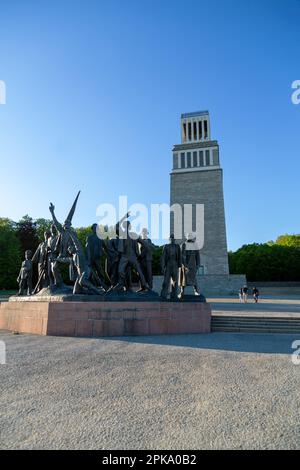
(95, 91)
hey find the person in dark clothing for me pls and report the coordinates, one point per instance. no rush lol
(255, 293)
(245, 294)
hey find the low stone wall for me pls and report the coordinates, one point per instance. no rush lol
(277, 289)
(92, 319)
(277, 284)
(212, 284)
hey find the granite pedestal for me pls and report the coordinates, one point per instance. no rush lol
(103, 318)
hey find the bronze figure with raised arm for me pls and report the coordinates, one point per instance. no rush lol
(63, 243)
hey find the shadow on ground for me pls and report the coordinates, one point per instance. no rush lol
(242, 342)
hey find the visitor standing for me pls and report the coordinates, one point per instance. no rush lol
(245, 294)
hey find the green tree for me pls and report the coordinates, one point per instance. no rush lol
(265, 262)
(42, 225)
(84, 232)
(10, 255)
(26, 231)
(288, 240)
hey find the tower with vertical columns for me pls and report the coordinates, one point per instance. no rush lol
(196, 178)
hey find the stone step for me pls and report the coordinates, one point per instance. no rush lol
(257, 319)
(254, 330)
(255, 325)
(261, 323)
(248, 325)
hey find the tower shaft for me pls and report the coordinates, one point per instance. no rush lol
(197, 178)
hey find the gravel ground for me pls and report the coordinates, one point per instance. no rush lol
(214, 391)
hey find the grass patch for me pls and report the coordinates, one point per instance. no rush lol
(7, 292)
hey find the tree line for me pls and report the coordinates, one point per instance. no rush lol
(272, 261)
(277, 261)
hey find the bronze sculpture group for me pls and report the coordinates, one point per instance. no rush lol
(124, 252)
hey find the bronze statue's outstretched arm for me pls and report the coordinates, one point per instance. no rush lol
(124, 217)
(57, 224)
(118, 225)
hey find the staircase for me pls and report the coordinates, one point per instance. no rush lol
(244, 324)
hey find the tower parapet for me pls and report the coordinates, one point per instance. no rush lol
(197, 152)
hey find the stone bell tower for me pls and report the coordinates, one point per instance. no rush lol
(196, 178)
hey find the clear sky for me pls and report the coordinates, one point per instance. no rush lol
(95, 89)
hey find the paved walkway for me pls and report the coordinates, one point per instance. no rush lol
(270, 307)
(214, 391)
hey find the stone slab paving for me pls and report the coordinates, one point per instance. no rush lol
(209, 391)
(271, 307)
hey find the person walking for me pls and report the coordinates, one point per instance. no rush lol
(255, 293)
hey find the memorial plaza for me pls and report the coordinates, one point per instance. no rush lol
(205, 391)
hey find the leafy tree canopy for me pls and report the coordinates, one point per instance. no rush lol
(288, 240)
(266, 262)
(10, 254)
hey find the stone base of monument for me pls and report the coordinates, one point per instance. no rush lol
(103, 318)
